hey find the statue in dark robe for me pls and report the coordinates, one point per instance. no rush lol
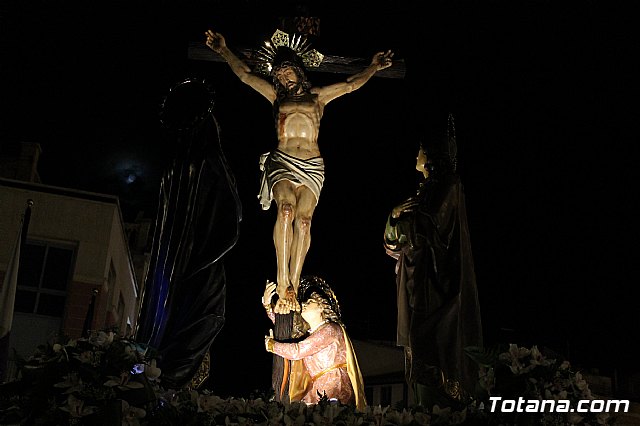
(198, 218)
(438, 307)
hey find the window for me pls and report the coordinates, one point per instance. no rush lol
(43, 277)
(368, 393)
(385, 395)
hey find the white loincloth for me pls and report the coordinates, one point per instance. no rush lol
(277, 166)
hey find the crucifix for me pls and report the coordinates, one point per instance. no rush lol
(292, 174)
(309, 27)
(331, 63)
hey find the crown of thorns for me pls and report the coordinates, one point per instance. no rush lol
(269, 55)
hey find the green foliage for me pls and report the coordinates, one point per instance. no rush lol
(107, 380)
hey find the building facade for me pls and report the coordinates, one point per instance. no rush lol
(76, 243)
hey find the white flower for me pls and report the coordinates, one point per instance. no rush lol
(209, 403)
(574, 418)
(422, 418)
(442, 412)
(122, 382)
(580, 382)
(514, 357)
(318, 420)
(518, 352)
(102, 339)
(75, 407)
(130, 415)
(406, 417)
(86, 357)
(538, 359)
(72, 382)
(601, 418)
(256, 406)
(151, 371)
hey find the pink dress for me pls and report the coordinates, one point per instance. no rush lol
(324, 354)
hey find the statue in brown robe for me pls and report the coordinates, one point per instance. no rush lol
(438, 307)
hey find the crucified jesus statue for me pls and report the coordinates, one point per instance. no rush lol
(293, 173)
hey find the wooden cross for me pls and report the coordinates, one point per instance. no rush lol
(333, 64)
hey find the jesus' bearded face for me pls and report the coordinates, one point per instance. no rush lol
(289, 79)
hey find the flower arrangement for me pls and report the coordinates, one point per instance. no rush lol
(529, 376)
(108, 380)
(96, 380)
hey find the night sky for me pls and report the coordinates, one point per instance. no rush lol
(541, 95)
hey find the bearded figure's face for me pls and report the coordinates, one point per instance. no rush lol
(289, 79)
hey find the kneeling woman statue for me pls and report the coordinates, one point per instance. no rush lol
(323, 362)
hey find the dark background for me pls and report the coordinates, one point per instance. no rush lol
(543, 99)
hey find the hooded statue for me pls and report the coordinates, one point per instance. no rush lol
(438, 307)
(197, 222)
